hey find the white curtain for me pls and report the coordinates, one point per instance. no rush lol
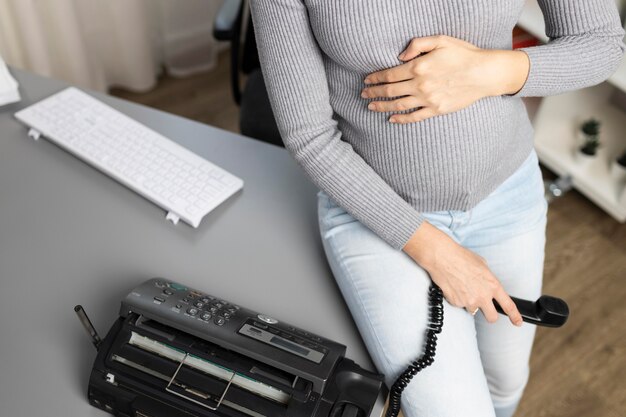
(100, 43)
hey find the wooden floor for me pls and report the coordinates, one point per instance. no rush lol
(578, 370)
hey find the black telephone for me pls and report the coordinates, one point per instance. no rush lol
(546, 311)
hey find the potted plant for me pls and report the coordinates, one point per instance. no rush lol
(590, 131)
(618, 168)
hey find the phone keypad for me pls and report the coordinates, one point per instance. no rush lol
(196, 304)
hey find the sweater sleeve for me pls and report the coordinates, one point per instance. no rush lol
(295, 78)
(585, 47)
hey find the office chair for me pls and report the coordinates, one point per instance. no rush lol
(255, 118)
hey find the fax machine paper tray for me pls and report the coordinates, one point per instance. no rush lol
(208, 367)
(203, 375)
(233, 337)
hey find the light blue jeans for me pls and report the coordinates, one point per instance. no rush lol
(480, 369)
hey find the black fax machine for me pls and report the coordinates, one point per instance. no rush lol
(176, 352)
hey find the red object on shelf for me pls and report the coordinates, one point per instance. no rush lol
(523, 39)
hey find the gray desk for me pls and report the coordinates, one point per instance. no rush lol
(69, 235)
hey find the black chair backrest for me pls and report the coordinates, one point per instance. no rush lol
(256, 118)
(250, 57)
(229, 27)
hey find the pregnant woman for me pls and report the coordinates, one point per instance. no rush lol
(407, 114)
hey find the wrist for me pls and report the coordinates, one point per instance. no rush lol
(421, 244)
(507, 72)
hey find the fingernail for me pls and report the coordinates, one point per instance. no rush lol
(393, 120)
(364, 94)
(367, 81)
(401, 56)
(371, 106)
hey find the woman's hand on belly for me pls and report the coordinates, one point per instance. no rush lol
(463, 276)
(442, 75)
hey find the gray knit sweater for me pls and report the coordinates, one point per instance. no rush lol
(315, 55)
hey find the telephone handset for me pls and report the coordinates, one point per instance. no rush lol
(546, 311)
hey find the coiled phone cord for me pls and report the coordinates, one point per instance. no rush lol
(435, 298)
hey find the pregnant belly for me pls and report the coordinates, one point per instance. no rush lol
(454, 154)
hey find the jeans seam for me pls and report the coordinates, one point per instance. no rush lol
(362, 305)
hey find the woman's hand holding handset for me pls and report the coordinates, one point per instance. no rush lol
(463, 276)
(441, 75)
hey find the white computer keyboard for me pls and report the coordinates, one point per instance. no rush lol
(184, 184)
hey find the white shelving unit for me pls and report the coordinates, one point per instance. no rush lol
(559, 118)
(619, 78)
(556, 141)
